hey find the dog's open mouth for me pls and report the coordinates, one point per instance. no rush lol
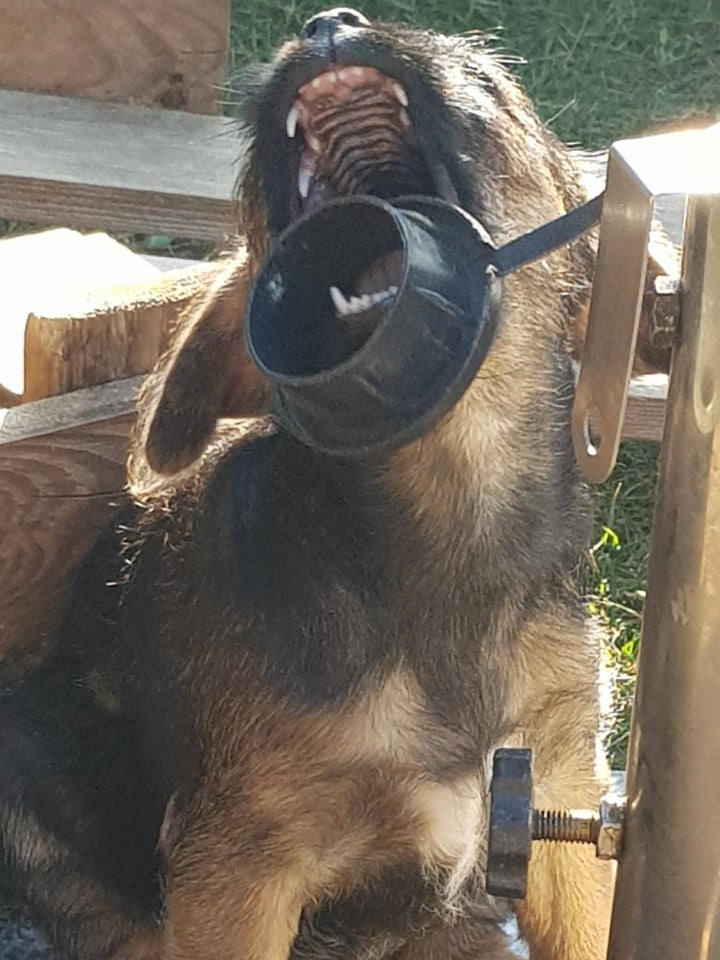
(357, 137)
(354, 134)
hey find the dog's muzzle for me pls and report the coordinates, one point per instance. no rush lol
(372, 318)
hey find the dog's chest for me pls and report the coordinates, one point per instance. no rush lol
(441, 780)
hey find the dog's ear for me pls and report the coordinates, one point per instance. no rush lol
(206, 374)
(654, 341)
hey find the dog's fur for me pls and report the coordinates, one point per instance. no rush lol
(297, 690)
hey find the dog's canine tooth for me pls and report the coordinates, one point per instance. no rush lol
(304, 178)
(400, 94)
(306, 171)
(292, 121)
(339, 301)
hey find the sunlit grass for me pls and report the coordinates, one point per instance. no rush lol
(616, 572)
(596, 71)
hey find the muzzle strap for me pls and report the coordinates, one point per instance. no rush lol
(531, 246)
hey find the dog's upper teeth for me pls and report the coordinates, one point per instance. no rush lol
(304, 178)
(292, 121)
(400, 94)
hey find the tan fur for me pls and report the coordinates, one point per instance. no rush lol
(565, 913)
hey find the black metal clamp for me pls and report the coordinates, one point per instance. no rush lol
(514, 824)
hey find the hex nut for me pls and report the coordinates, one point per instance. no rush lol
(610, 832)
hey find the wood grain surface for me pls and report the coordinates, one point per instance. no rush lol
(132, 169)
(57, 492)
(71, 412)
(645, 412)
(136, 169)
(167, 52)
(52, 272)
(77, 311)
(111, 334)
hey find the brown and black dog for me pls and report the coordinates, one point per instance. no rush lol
(272, 737)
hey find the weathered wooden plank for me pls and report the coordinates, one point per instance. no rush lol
(57, 492)
(644, 418)
(99, 313)
(168, 52)
(645, 413)
(46, 273)
(123, 168)
(71, 412)
(108, 335)
(136, 169)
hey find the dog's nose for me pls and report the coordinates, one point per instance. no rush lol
(323, 26)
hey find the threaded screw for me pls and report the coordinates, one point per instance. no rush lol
(567, 826)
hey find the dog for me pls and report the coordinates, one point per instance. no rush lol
(267, 727)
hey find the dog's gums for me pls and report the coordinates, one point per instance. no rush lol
(355, 127)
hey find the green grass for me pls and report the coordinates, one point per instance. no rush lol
(596, 72)
(616, 572)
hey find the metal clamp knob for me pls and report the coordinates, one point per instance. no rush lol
(514, 824)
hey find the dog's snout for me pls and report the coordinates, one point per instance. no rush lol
(323, 26)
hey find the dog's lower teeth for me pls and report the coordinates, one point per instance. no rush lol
(345, 307)
(340, 303)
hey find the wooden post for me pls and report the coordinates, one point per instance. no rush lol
(62, 475)
(172, 53)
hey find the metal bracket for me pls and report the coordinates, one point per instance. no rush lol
(639, 171)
